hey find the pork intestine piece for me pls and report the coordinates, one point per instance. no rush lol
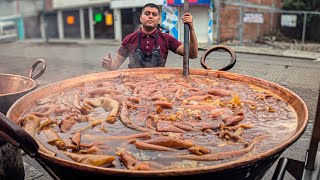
(218, 156)
(199, 150)
(107, 103)
(130, 162)
(76, 138)
(66, 124)
(91, 159)
(147, 146)
(53, 137)
(101, 91)
(170, 142)
(30, 123)
(124, 117)
(165, 126)
(92, 150)
(45, 150)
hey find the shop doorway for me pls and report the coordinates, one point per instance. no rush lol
(103, 23)
(130, 19)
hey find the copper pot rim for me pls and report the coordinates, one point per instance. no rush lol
(34, 84)
(96, 77)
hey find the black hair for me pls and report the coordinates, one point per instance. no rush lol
(151, 5)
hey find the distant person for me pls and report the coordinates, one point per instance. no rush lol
(163, 29)
(148, 46)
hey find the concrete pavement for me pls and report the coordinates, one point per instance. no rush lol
(263, 50)
(66, 60)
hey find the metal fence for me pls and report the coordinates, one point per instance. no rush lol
(244, 23)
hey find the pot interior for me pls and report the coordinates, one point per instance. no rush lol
(11, 84)
(29, 100)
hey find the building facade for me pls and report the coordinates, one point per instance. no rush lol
(106, 19)
(215, 21)
(245, 20)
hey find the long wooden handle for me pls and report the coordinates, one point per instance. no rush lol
(186, 42)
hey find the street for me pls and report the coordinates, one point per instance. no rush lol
(69, 60)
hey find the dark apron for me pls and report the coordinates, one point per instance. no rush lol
(139, 59)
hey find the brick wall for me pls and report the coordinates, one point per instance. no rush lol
(230, 23)
(276, 3)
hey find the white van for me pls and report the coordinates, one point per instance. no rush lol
(8, 30)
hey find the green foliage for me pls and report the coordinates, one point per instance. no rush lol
(302, 5)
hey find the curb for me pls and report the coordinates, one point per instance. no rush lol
(73, 42)
(274, 52)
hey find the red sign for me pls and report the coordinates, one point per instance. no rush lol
(180, 2)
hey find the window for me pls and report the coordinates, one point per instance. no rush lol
(8, 30)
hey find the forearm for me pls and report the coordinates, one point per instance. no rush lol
(113, 66)
(116, 62)
(193, 52)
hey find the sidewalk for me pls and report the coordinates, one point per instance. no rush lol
(271, 52)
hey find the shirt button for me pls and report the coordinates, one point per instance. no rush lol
(147, 47)
(147, 36)
(147, 41)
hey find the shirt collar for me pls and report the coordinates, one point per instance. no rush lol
(153, 34)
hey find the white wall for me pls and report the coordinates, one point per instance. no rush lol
(201, 19)
(7, 8)
(120, 4)
(60, 4)
(25, 8)
(29, 8)
(200, 22)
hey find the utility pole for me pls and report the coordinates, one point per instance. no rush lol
(241, 23)
(43, 14)
(218, 20)
(186, 42)
(18, 7)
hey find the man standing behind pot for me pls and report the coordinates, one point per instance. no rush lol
(149, 47)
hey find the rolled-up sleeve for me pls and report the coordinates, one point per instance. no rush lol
(173, 44)
(123, 50)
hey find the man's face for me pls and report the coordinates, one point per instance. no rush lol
(150, 18)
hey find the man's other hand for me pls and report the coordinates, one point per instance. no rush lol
(106, 61)
(188, 19)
